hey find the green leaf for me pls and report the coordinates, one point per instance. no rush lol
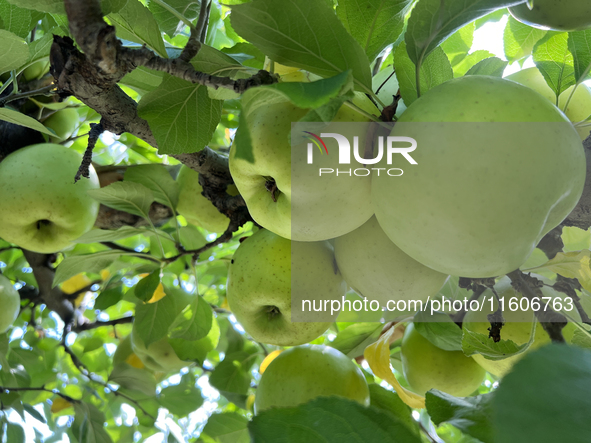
(34, 412)
(554, 61)
(194, 322)
(181, 399)
(582, 339)
(134, 379)
(389, 401)
(579, 44)
(439, 329)
(519, 39)
(152, 320)
(17, 20)
(474, 342)
(432, 21)
(375, 24)
(14, 433)
(232, 376)
(545, 398)
(228, 427)
(89, 424)
(181, 115)
(470, 61)
(158, 180)
(51, 6)
(167, 21)
(471, 415)
(328, 420)
(142, 80)
(458, 45)
(75, 264)
(18, 118)
(108, 298)
(304, 34)
(145, 288)
(435, 70)
(353, 340)
(125, 196)
(492, 66)
(104, 235)
(135, 23)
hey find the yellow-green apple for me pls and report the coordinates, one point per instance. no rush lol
(196, 208)
(377, 269)
(267, 272)
(10, 302)
(303, 373)
(286, 195)
(36, 70)
(426, 367)
(63, 123)
(497, 167)
(579, 107)
(517, 324)
(41, 208)
(559, 15)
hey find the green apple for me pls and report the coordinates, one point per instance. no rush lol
(517, 327)
(303, 373)
(41, 208)
(10, 302)
(36, 70)
(426, 367)
(63, 123)
(267, 272)
(579, 107)
(498, 166)
(378, 270)
(559, 15)
(196, 208)
(304, 206)
(159, 356)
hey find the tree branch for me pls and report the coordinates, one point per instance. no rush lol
(100, 324)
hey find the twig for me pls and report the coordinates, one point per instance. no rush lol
(96, 129)
(93, 377)
(5, 389)
(100, 324)
(42, 91)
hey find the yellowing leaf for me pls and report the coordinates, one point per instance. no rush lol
(575, 264)
(250, 402)
(59, 404)
(79, 299)
(159, 294)
(268, 359)
(105, 274)
(134, 360)
(225, 305)
(75, 283)
(378, 357)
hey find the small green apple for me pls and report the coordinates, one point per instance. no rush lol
(579, 107)
(517, 327)
(559, 15)
(266, 272)
(36, 70)
(303, 206)
(378, 270)
(498, 166)
(426, 367)
(159, 356)
(41, 208)
(197, 209)
(303, 373)
(63, 123)
(10, 302)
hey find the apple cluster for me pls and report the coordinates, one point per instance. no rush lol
(498, 166)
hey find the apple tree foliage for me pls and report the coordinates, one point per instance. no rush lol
(67, 368)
